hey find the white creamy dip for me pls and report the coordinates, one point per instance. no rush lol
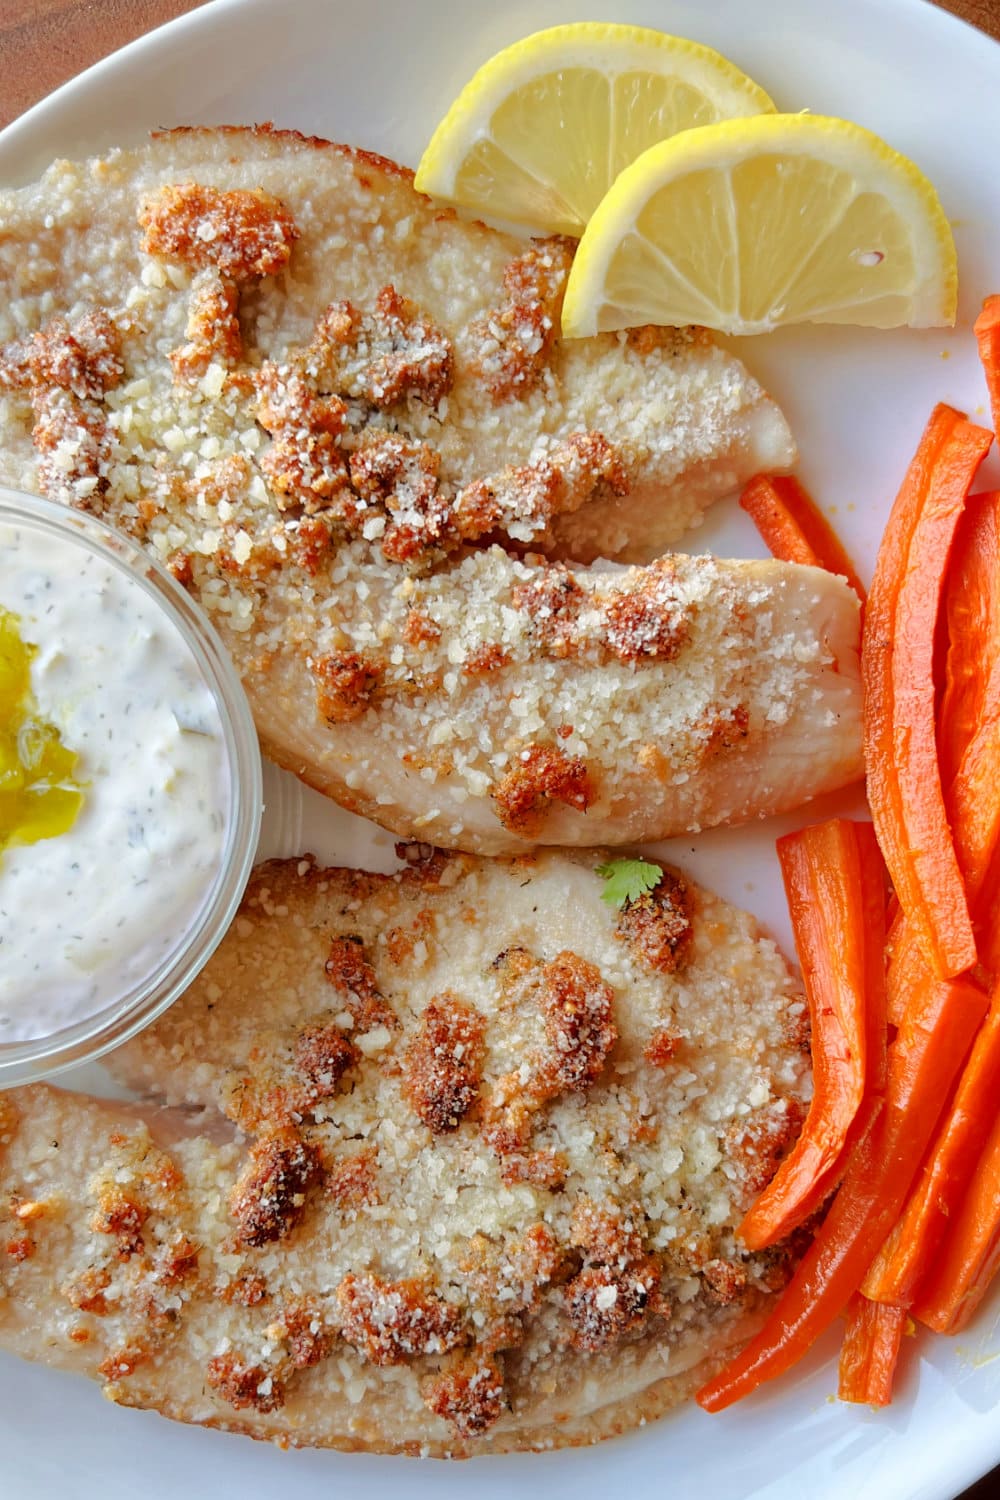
(89, 914)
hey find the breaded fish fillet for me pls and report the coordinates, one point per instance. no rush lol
(448, 1161)
(343, 419)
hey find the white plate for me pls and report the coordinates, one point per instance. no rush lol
(378, 74)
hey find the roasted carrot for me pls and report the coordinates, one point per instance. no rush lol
(904, 967)
(956, 1278)
(972, 627)
(989, 904)
(834, 880)
(969, 716)
(873, 881)
(987, 331)
(970, 1259)
(924, 1058)
(968, 726)
(969, 746)
(793, 527)
(909, 1253)
(939, 1016)
(870, 1351)
(904, 782)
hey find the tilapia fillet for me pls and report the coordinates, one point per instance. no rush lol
(443, 1162)
(344, 419)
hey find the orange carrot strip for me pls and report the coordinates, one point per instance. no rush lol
(903, 967)
(987, 331)
(912, 1248)
(904, 782)
(969, 741)
(873, 888)
(961, 1276)
(989, 904)
(940, 1017)
(870, 1351)
(930, 1046)
(837, 928)
(969, 716)
(972, 625)
(794, 529)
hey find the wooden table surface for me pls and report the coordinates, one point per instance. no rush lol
(45, 42)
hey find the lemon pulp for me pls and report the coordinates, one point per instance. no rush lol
(543, 128)
(39, 796)
(746, 225)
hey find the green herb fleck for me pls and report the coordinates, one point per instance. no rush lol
(627, 880)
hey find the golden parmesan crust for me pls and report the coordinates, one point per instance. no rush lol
(441, 1069)
(542, 774)
(305, 431)
(241, 235)
(346, 685)
(658, 924)
(349, 1276)
(517, 336)
(67, 371)
(268, 1198)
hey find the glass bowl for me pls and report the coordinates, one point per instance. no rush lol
(125, 1012)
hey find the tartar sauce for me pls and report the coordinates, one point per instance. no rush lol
(90, 913)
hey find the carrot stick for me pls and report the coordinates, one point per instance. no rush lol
(939, 1017)
(924, 1058)
(969, 741)
(989, 903)
(904, 966)
(969, 717)
(987, 331)
(912, 1248)
(970, 1259)
(873, 887)
(972, 625)
(904, 782)
(794, 529)
(838, 916)
(870, 1351)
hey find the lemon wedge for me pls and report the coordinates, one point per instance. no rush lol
(543, 129)
(749, 224)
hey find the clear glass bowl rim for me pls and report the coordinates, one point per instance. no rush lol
(90, 1038)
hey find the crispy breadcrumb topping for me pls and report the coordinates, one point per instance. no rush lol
(213, 326)
(393, 1321)
(542, 774)
(441, 1069)
(241, 234)
(244, 1385)
(268, 1198)
(347, 968)
(391, 353)
(658, 924)
(577, 1005)
(515, 339)
(345, 685)
(67, 370)
(469, 1392)
(523, 500)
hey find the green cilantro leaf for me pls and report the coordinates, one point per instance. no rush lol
(627, 880)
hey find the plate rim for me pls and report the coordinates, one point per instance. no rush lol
(15, 143)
